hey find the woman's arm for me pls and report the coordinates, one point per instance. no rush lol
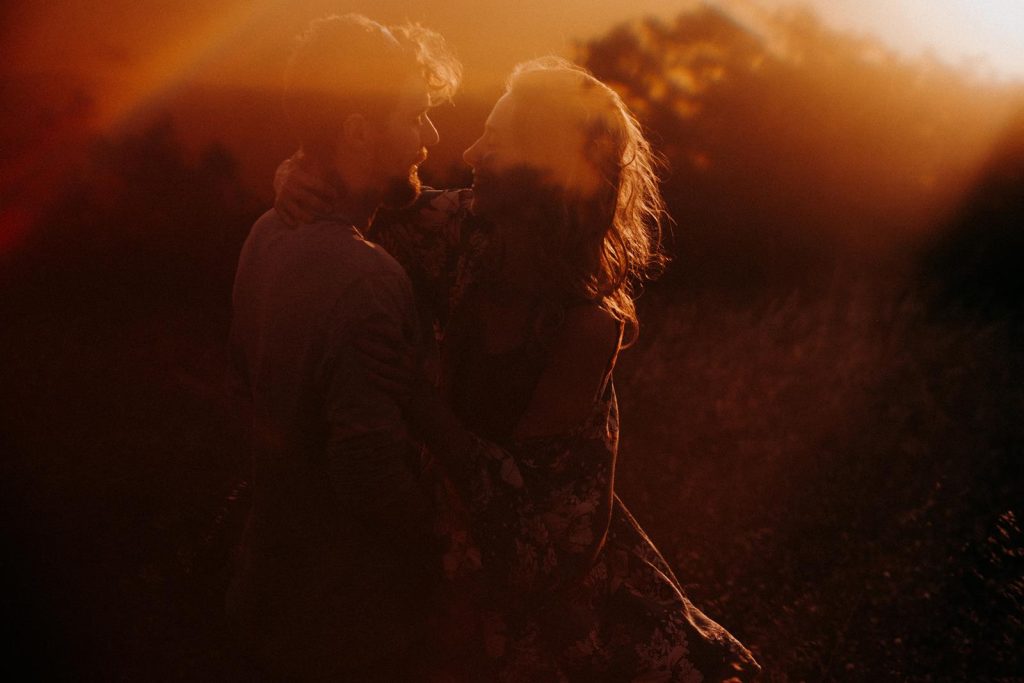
(547, 532)
(581, 355)
(540, 505)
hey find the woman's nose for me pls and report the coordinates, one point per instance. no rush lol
(472, 153)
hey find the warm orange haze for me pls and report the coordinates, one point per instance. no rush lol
(820, 418)
(72, 69)
(146, 41)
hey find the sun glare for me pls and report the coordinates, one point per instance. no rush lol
(986, 34)
(995, 27)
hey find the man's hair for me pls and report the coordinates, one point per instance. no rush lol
(350, 64)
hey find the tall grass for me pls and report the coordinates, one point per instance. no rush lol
(835, 476)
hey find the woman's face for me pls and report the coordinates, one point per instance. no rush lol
(521, 154)
(493, 156)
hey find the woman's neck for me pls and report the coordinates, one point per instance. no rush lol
(520, 273)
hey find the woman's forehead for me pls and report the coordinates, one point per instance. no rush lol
(501, 115)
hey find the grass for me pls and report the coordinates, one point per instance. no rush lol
(834, 475)
(836, 478)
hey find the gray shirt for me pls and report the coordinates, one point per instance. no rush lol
(334, 547)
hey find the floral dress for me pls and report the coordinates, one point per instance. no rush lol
(545, 567)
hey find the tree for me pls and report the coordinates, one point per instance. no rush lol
(140, 220)
(792, 145)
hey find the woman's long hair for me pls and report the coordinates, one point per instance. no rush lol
(601, 236)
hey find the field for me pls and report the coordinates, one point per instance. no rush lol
(834, 475)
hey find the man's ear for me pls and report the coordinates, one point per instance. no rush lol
(355, 132)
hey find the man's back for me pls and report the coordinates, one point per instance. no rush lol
(324, 578)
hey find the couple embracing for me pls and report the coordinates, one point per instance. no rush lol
(434, 421)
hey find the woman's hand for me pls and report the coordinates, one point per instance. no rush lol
(395, 368)
(299, 195)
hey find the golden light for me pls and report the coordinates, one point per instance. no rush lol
(124, 55)
(988, 34)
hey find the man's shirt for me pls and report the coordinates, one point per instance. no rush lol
(338, 514)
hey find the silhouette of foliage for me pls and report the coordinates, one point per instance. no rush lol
(976, 263)
(141, 220)
(119, 442)
(792, 145)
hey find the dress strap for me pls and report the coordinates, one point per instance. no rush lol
(610, 365)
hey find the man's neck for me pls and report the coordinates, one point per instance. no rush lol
(358, 212)
(352, 205)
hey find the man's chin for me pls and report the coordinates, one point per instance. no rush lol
(401, 192)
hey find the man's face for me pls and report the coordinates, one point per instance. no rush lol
(403, 140)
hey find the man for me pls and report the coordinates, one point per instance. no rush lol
(331, 580)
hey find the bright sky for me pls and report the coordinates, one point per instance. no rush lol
(65, 31)
(989, 33)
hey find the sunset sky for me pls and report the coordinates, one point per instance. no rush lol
(72, 68)
(145, 46)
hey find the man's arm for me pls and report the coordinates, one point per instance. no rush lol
(370, 461)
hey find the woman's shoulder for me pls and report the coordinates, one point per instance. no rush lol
(590, 324)
(586, 344)
(570, 393)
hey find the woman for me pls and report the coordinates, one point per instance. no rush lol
(530, 276)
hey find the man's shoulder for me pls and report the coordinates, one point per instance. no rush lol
(270, 222)
(329, 243)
